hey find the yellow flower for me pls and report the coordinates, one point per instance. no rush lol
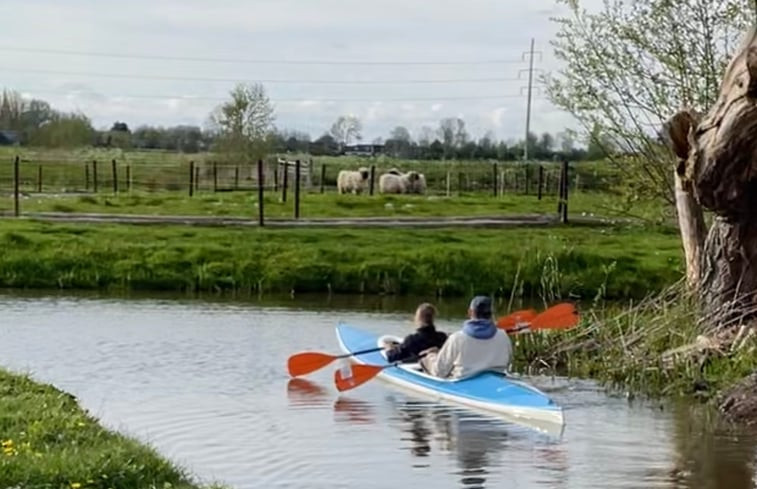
(81, 425)
(75, 485)
(7, 443)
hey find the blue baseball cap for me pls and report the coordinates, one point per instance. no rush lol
(481, 306)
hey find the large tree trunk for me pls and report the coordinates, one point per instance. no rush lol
(718, 167)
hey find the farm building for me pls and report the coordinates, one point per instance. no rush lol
(364, 149)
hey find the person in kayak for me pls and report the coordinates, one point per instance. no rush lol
(425, 337)
(479, 346)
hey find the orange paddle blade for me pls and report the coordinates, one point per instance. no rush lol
(304, 363)
(509, 321)
(357, 375)
(561, 316)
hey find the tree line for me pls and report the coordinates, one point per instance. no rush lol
(243, 129)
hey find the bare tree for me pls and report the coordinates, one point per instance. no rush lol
(347, 128)
(244, 124)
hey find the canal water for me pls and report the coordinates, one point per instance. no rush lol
(205, 382)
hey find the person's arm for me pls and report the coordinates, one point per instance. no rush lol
(445, 361)
(401, 352)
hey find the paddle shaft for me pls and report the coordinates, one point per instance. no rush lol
(361, 352)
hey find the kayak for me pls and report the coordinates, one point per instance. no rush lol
(493, 392)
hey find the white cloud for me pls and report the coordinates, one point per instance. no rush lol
(286, 30)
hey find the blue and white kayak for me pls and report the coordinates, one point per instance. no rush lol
(492, 392)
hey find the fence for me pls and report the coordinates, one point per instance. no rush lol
(284, 176)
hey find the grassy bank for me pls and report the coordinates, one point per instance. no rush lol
(48, 441)
(616, 262)
(659, 346)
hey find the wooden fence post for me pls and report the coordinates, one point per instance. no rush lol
(449, 178)
(16, 184)
(215, 176)
(541, 180)
(260, 194)
(494, 179)
(373, 177)
(323, 177)
(566, 185)
(128, 177)
(236, 177)
(94, 176)
(86, 177)
(528, 178)
(285, 183)
(191, 178)
(115, 177)
(297, 189)
(39, 179)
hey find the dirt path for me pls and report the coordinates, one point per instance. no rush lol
(351, 222)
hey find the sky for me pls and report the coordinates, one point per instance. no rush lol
(388, 62)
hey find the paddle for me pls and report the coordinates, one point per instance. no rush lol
(561, 316)
(360, 375)
(307, 362)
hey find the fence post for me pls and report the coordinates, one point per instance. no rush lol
(449, 178)
(494, 179)
(460, 183)
(16, 183)
(323, 177)
(128, 177)
(541, 180)
(285, 183)
(115, 177)
(297, 189)
(39, 179)
(191, 178)
(86, 177)
(94, 176)
(215, 176)
(373, 177)
(566, 185)
(236, 177)
(310, 174)
(560, 190)
(528, 178)
(260, 194)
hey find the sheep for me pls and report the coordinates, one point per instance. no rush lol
(352, 181)
(389, 183)
(402, 183)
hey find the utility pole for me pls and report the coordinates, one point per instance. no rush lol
(531, 53)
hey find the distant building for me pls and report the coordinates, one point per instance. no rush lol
(363, 149)
(9, 138)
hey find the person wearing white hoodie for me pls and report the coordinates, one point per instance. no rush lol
(479, 346)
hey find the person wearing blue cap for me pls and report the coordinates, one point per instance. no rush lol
(479, 346)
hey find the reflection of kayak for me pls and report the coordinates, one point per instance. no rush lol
(489, 391)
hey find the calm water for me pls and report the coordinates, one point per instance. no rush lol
(205, 382)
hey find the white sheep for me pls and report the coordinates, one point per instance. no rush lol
(352, 181)
(395, 182)
(389, 183)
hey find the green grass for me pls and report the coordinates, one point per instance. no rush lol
(316, 205)
(621, 261)
(48, 441)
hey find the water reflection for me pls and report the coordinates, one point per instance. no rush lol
(478, 443)
(711, 454)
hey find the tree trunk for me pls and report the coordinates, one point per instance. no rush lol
(718, 165)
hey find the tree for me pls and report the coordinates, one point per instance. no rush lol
(65, 131)
(119, 127)
(325, 145)
(631, 65)
(345, 129)
(400, 143)
(452, 134)
(244, 125)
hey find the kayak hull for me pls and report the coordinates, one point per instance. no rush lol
(491, 392)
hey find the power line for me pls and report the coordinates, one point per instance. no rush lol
(271, 81)
(282, 100)
(101, 54)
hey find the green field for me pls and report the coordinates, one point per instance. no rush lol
(48, 441)
(615, 262)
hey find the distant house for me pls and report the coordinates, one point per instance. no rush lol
(364, 149)
(9, 138)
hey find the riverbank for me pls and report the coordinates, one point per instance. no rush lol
(613, 262)
(49, 441)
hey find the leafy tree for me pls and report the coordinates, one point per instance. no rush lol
(347, 128)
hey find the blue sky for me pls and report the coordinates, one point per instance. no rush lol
(398, 40)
